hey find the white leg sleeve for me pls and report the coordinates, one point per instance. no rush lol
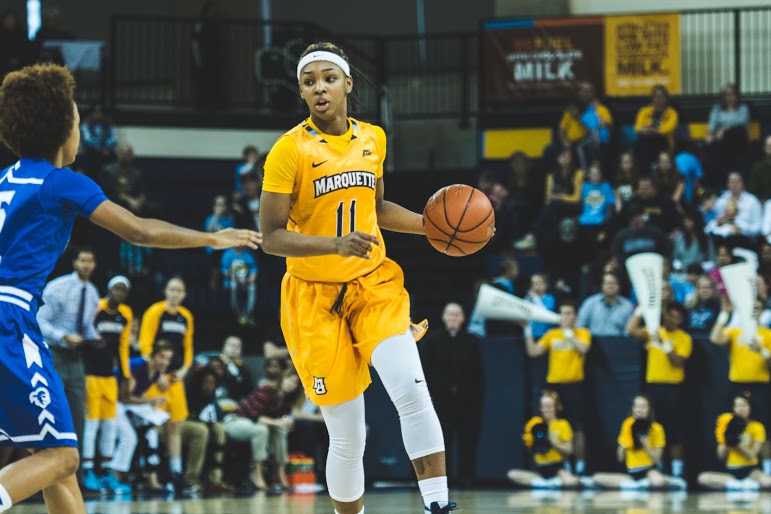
(347, 437)
(107, 438)
(123, 453)
(398, 364)
(90, 429)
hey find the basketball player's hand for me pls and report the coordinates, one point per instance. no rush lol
(231, 237)
(74, 340)
(356, 244)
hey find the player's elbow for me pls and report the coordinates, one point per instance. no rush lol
(270, 243)
(137, 233)
(140, 237)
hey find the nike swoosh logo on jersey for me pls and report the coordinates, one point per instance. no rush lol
(314, 165)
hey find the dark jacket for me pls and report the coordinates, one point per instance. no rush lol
(454, 371)
(631, 241)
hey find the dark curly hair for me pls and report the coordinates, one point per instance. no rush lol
(36, 110)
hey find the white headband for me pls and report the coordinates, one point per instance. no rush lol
(323, 56)
(119, 279)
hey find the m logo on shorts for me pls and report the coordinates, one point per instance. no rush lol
(40, 397)
(319, 386)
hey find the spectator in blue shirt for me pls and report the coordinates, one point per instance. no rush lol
(239, 271)
(539, 295)
(509, 273)
(606, 314)
(597, 199)
(702, 316)
(597, 205)
(220, 218)
(250, 164)
(690, 168)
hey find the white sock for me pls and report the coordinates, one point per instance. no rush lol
(568, 467)
(580, 466)
(5, 499)
(767, 466)
(635, 485)
(677, 467)
(546, 483)
(175, 465)
(434, 490)
(677, 483)
(747, 484)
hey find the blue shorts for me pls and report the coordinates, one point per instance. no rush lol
(34, 412)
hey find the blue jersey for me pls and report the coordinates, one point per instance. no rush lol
(38, 205)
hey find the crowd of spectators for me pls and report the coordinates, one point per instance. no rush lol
(601, 193)
(581, 211)
(593, 202)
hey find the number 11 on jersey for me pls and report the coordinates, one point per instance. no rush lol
(341, 215)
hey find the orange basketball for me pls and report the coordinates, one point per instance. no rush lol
(459, 219)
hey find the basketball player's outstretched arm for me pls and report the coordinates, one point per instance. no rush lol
(394, 217)
(274, 215)
(159, 234)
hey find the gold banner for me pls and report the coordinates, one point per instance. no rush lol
(640, 52)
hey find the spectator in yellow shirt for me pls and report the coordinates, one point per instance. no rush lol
(739, 441)
(655, 126)
(667, 351)
(585, 126)
(550, 439)
(641, 444)
(749, 362)
(567, 347)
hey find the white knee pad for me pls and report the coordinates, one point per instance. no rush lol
(347, 438)
(398, 364)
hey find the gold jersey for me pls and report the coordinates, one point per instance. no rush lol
(637, 458)
(659, 369)
(754, 432)
(333, 182)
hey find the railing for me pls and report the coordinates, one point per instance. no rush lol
(422, 77)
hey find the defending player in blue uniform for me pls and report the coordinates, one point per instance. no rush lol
(38, 204)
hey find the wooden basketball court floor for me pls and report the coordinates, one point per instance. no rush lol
(408, 502)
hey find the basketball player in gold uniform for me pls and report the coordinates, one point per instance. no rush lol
(344, 306)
